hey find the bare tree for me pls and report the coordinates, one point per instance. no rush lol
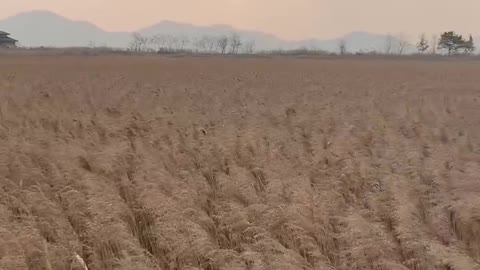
(249, 47)
(205, 44)
(182, 42)
(388, 44)
(171, 42)
(134, 45)
(342, 47)
(139, 43)
(235, 43)
(402, 43)
(210, 43)
(422, 44)
(144, 43)
(200, 44)
(222, 44)
(434, 43)
(158, 41)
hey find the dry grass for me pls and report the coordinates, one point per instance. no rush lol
(210, 163)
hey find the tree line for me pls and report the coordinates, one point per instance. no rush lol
(167, 43)
(450, 41)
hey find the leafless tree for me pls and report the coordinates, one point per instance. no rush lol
(402, 43)
(211, 43)
(139, 43)
(249, 47)
(134, 45)
(196, 43)
(388, 44)
(434, 43)
(183, 42)
(235, 43)
(222, 44)
(144, 43)
(342, 47)
(158, 41)
(200, 44)
(205, 44)
(171, 42)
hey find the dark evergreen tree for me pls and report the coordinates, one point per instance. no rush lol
(469, 45)
(451, 42)
(422, 44)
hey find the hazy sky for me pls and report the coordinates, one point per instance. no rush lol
(292, 19)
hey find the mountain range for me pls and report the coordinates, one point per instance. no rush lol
(45, 28)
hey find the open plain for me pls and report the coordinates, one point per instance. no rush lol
(143, 162)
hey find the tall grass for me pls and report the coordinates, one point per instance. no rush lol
(120, 162)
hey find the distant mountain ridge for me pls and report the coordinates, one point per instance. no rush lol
(45, 28)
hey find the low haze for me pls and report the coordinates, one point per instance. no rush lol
(288, 19)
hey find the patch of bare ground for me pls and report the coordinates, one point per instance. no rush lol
(119, 162)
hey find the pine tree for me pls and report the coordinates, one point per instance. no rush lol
(469, 46)
(423, 45)
(451, 42)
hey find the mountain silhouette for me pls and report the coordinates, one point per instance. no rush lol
(45, 28)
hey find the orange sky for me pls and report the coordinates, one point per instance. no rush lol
(292, 19)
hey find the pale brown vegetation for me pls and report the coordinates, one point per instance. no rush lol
(213, 163)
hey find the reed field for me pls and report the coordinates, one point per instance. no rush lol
(219, 163)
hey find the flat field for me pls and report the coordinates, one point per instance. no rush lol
(128, 162)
